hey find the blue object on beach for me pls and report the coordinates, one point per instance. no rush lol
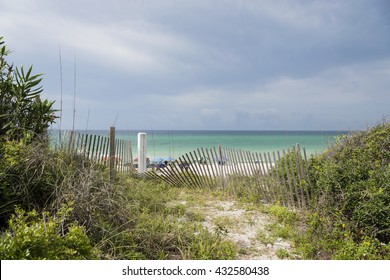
(221, 161)
(162, 159)
(168, 159)
(158, 159)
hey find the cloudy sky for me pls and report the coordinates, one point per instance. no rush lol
(207, 64)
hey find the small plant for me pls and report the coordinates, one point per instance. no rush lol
(282, 214)
(225, 222)
(207, 246)
(40, 236)
(196, 216)
(265, 238)
(283, 254)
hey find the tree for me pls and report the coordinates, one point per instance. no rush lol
(21, 109)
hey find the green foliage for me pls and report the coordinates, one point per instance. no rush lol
(291, 171)
(39, 236)
(350, 185)
(366, 249)
(333, 238)
(282, 214)
(208, 246)
(27, 176)
(21, 108)
(352, 179)
(158, 230)
(285, 224)
(282, 254)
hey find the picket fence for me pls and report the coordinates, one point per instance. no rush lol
(105, 150)
(279, 177)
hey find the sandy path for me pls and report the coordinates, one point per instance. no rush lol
(244, 225)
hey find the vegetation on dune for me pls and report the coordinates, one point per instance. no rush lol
(24, 119)
(56, 205)
(351, 186)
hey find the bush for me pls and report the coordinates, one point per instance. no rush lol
(27, 177)
(21, 109)
(39, 236)
(291, 169)
(351, 182)
(24, 119)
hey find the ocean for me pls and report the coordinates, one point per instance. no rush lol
(174, 143)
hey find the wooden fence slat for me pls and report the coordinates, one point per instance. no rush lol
(307, 175)
(192, 168)
(292, 170)
(273, 192)
(197, 167)
(214, 156)
(112, 153)
(202, 167)
(97, 149)
(209, 173)
(284, 187)
(77, 142)
(93, 146)
(121, 157)
(106, 155)
(167, 176)
(265, 183)
(298, 164)
(126, 157)
(280, 184)
(289, 180)
(230, 162)
(250, 163)
(184, 169)
(181, 177)
(259, 176)
(209, 162)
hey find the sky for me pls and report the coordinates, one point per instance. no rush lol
(207, 64)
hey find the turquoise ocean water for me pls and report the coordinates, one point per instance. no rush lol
(174, 143)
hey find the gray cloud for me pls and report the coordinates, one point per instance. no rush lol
(209, 64)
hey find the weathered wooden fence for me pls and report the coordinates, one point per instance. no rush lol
(104, 150)
(280, 176)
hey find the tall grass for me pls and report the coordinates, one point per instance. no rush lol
(126, 219)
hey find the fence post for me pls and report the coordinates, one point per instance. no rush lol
(112, 153)
(141, 152)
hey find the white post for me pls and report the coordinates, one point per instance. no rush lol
(142, 152)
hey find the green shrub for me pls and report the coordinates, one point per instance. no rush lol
(366, 249)
(24, 119)
(21, 109)
(27, 177)
(282, 214)
(351, 188)
(291, 171)
(208, 246)
(39, 236)
(353, 178)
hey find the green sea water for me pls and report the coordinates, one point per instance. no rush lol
(174, 143)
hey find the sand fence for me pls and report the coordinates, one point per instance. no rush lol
(276, 177)
(279, 177)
